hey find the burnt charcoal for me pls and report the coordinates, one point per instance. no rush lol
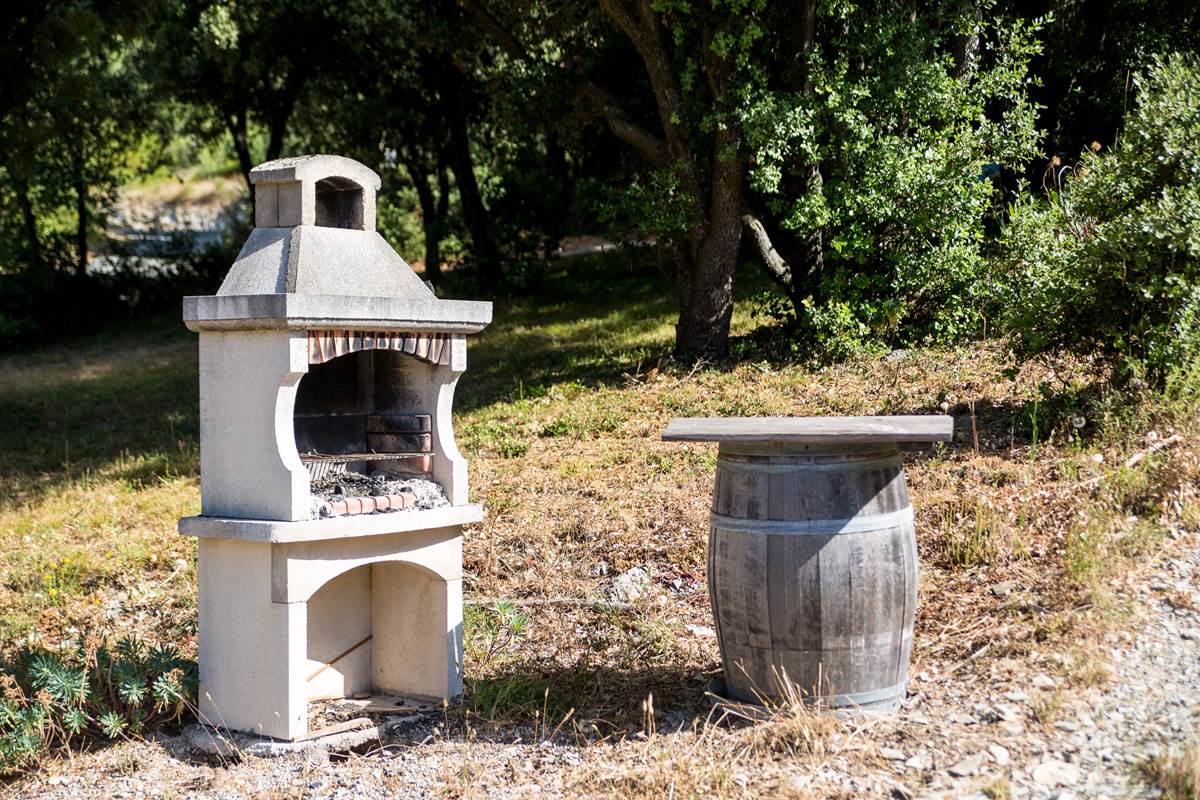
(428, 493)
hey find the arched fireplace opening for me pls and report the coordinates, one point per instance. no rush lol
(363, 424)
(380, 629)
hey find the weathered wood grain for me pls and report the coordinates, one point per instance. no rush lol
(812, 574)
(811, 430)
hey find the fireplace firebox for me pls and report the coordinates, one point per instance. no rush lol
(332, 493)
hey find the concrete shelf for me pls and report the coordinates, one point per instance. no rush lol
(314, 530)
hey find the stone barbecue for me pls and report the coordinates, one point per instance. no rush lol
(332, 493)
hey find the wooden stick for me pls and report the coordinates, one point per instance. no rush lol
(1134, 459)
(1154, 448)
(339, 657)
(338, 727)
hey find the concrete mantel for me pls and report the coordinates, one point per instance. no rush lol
(337, 312)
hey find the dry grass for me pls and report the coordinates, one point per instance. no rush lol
(560, 413)
(1177, 775)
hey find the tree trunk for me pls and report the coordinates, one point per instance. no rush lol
(965, 46)
(706, 287)
(81, 214)
(808, 251)
(483, 246)
(29, 220)
(431, 221)
(440, 213)
(241, 146)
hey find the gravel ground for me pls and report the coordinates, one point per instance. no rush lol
(1094, 747)
(1014, 726)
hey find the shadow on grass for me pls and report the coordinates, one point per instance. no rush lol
(130, 410)
(1008, 427)
(593, 318)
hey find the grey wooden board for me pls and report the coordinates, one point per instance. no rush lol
(812, 430)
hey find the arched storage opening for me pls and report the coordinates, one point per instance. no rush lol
(382, 629)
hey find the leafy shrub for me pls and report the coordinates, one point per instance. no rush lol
(910, 146)
(94, 692)
(1109, 263)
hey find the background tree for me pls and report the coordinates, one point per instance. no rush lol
(872, 148)
(242, 63)
(744, 106)
(72, 113)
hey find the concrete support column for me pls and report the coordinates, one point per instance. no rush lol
(249, 467)
(252, 650)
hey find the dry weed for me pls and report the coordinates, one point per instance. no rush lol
(1177, 775)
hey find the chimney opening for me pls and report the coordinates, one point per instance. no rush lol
(339, 203)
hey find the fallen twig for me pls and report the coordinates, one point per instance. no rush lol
(1134, 459)
(1162, 444)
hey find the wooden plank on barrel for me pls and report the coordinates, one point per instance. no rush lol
(812, 430)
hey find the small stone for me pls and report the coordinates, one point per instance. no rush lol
(1017, 696)
(1003, 589)
(1056, 773)
(701, 631)
(1187, 635)
(891, 754)
(629, 585)
(999, 754)
(1043, 681)
(1066, 725)
(917, 762)
(969, 765)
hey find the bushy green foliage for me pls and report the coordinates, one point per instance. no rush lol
(1109, 263)
(49, 699)
(907, 137)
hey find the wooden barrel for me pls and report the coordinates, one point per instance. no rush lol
(813, 572)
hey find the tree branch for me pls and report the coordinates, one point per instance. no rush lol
(777, 267)
(652, 148)
(496, 30)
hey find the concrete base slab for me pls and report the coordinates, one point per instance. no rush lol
(232, 744)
